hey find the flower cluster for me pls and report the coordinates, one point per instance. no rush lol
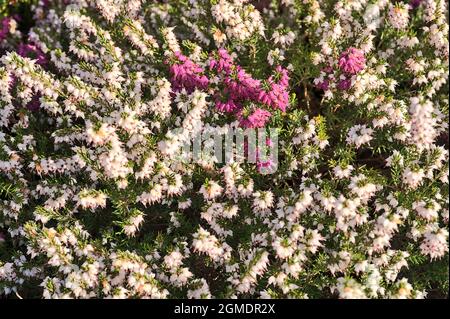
(250, 99)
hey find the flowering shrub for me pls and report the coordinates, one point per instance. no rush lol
(100, 96)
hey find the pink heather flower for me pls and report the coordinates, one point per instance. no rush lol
(344, 84)
(4, 27)
(277, 95)
(242, 86)
(186, 74)
(257, 119)
(33, 52)
(283, 76)
(224, 63)
(352, 61)
(228, 106)
(239, 84)
(260, 164)
(239, 87)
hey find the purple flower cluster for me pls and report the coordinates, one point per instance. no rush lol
(186, 74)
(35, 103)
(238, 85)
(33, 52)
(344, 84)
(4, 27)
(415, 3)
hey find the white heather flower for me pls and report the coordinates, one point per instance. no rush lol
(200, 292)
(99, 136)
(350, 289)
(359, 135)
(103, 126)
(398, 15)
(396, 158)
(283, 248)
(428, 211)
(133, 224)
(413, 178)
(241, 20)
(423, 123)
(263, 200)
(211, 190)
(275, 56)
(219, 37)
(435, 243)
(91, 200)
(404, 290)
(283, 38)
(341, 173)
(174, 259)
(170, 39)
(230, 211)
(184, 204)
(208, 244)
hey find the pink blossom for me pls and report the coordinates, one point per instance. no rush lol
(186, 74)
(261, 165)
(258, 118)
(228, 106)
(352, 61)
(277, 95)
(327, 69)
(223, 63)
(241, 85)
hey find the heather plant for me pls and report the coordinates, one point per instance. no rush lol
(100, 98)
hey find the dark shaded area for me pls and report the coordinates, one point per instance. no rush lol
(25, 21)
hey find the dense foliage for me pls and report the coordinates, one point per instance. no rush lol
(98, 97)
